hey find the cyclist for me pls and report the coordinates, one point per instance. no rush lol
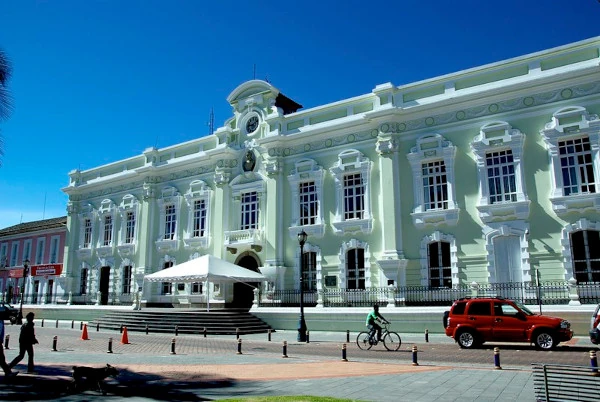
(372, 319)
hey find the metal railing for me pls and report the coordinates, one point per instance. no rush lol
(553, 382)
(545, 293)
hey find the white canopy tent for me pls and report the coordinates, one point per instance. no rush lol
(205, 268)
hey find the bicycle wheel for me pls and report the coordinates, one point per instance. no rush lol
(362, 340)
(392, 341)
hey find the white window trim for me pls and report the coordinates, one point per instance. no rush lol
(161, 264)
(494, 137)
(352, 161)
(514, 228)
(198, 191)
(14, 254)
(107, 208)
(129, 203)
(580, 124)
(309, 248)
(124, 263)
(169, 196)
(306, 170)
(87, 212)
(430, 148)
(438, 236)
(27, 250)
(581, 224)
(54, 240)
(246, 183)
(40, 245)
(352, 244)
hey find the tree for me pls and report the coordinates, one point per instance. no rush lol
(5, 98)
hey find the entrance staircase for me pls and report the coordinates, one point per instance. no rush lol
(223, 322)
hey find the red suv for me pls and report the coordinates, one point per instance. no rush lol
(473, 321)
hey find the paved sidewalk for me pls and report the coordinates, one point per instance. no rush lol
(210, 369)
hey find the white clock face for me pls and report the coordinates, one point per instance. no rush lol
(252, 124)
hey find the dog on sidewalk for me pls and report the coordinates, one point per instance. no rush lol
(84, 376)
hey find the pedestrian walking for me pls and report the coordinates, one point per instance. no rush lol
(7, 371)
(26, 341)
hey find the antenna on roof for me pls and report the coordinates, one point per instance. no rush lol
(211, 122)
(267, 78)
(44, 213)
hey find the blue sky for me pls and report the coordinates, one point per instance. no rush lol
(96, 81)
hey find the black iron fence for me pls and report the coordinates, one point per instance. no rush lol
(546, 293)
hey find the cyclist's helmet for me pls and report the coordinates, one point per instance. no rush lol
(376, 307)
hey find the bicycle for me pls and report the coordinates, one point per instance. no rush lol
(367, 339)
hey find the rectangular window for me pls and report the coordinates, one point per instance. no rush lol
(83, 281)
(309, 271)
(199, 223)
(130, 227)
(87, 233)
(354, 196)
(3, 255)
(501, 176)
(54, 243)
(585, 250)
(170, 222)
(440, 270)
(308, 203)
(27, 250)
(249, 211)
(196, 287)
(167, 287)
(126, 279)
(435, 185)
(40, 250)
(14, 254)
(355, 265)
(108, 227)
(576, 166)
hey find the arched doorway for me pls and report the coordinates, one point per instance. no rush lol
(243, 292)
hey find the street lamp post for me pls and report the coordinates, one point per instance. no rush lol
(25, 272)
(302, 323)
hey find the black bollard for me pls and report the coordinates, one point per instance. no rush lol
(426, 335)
(348, 336)
(176, 330)
(269, 335)
(239, 348)
(97, 327)
(497, 359)
(54, 342)
(204, 332)
(109, 346)
(6, 339)
(72, 324)
(146, 329)
(414, 356)
(173, 346)
(594, 362)
(285, 349)
(121, 329)
(237, 333)
(307, 336)
(42, 322)
(81, 325)
(344, 359)
(56, 323)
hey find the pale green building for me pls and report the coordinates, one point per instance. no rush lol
(481, 178)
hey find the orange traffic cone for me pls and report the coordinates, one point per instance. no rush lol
(124, 339)
(84, 334)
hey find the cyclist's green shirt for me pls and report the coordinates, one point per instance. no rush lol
(371, 318)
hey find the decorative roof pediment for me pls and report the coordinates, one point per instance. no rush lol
(250, 88)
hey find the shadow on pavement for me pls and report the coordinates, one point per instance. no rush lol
(52, 383)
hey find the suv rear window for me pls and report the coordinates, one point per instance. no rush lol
(480, 308)
(459, 308)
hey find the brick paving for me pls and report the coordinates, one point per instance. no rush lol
(210, 368)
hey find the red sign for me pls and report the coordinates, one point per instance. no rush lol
(46, 269)
(15, 273)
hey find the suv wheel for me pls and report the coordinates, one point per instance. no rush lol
(466, 339)
(544, 340)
